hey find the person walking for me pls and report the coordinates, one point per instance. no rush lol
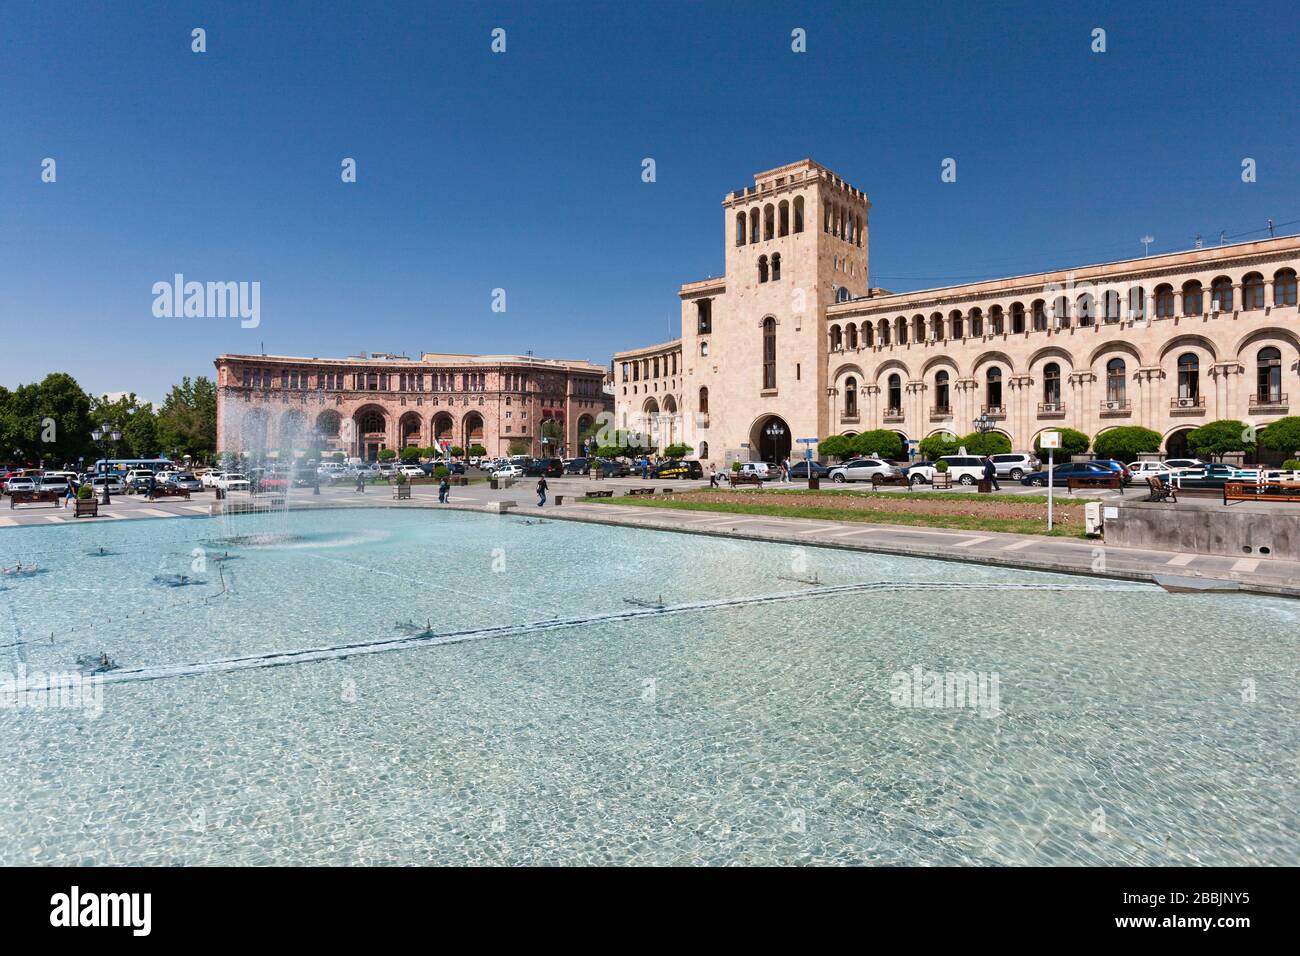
(991, 473)
(361, 483)
(541, 491)
(444, 490)
(713, 476)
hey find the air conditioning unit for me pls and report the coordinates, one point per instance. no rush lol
(1114, 406)
(1187, 402)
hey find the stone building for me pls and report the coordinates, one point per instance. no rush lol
(794, 342)
(363, 404)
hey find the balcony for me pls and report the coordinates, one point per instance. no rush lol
(1187, 405)
(940, 412)
(994, 411)
(850, 418)
(893, 415)
(1051, 409)
(1269, 403)
(1116, 407)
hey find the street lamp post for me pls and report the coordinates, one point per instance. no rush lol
(106, 436)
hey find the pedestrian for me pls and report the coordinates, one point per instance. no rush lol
(991, 473)
(713, 476)
(541, 491)
(361, 483)
(444, 490)
(153, 485)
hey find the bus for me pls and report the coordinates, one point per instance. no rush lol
(120, 466)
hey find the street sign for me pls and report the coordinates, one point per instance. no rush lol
(1049, 440)
(806, 441)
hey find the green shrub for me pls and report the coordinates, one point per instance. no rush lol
(880, 442)
(1282, 435)
(387, 454)
(1291, 464)
(85, 492)
(989, 443)
(1072, 443)
(941, 465)
(936, 446)
(477, 451)
(457, 451)
(735, 466)
(442, 471)
(677, 451)
(836, 446)
(1126, 443)
(1216, 439)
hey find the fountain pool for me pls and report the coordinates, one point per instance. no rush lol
(376, 686)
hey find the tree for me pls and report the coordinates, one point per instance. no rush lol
(1072, 443)
(456, 451)
(387, 454)
(1216, 439)
(880, 442)
(51, 420)
(1282, 435)
(986, 443)
(935, 447)
(411, 453)
(677, 451)
(187, 421)
(1126, 443)
(477, 451)
(836, 446)
(521, 446)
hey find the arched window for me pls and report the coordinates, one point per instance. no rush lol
(798, 214)
(956, 325)
(704, 449)
(753, 225)
(997, 324)
(1086, 309)
(762, 268)
(900, 330)
(895, 392)
(1040, 315)
(1189, 378)
(882, 331)
(704, 399)
(918, 328)
(769, 221)
(1284, 287)
(704, 350)
(850, 397)
(1268, 376)
(1110, 306)
(851, 336)
(1192, 298)
(769, 352)
(868, 334)
(1137, 303)
(1221, 294)
(1164, 302)
(740, 228)
(1052, 384)
(1017, 318)
(783, 218)
(837, 338)
(1116, 380)
(993, 389)
(936, 327)
(1061, 312)
(776, 266)
(842, 294)
(976, 323)
(1252, 291)
(941, 405)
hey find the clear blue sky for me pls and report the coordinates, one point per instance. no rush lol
(522, 170)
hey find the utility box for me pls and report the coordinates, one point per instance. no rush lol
(1092, 523)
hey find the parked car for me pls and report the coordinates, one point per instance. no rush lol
(613, 468)
(182, 481)
(760, 469)
(411, 471)
(578, 466)
(1063, 472)
(233, 481)
(863, 469)
(679, 469)
(509, 471)
(801, 469)
(137, 480)
(209, 479)
(115, 486)
(962, 469)
(55, 481)
(548, 467)
(1176, 463)
(1209, 476)
(1014, 465)
(20, 483)
(1141, 469)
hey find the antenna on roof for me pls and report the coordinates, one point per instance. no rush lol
(1270, 228)
(1146, 242)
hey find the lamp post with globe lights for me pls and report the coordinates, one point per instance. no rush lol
(107, 437)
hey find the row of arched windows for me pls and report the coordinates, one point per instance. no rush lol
(759, 225)
(1086, 310)
(1268, 385)
(774, 271)
(843, 222)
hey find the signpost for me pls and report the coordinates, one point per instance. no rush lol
(1051, 441)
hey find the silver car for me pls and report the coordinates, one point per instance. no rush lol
(863, 469)
(1014, 465)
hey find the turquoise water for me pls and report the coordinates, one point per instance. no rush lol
(616, 695)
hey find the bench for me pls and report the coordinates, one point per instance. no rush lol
(402, 492)
(1113, 480)
(741, 478)
(600, 494)
(1159, 491)
(86, 508)
(1260, 491)
(17, 498)
(633, 492)
(878, 480)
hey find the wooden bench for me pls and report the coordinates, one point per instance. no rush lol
(402, 491)
(633, 492)
(86, 508)
(739, 478)
(1159, 491)
(878, 480)
(600, 494)
(17, 498)
(1260, 491)
(1113, 480)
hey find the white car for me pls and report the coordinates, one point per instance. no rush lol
(211, 478)
(509, 471)
(1141, 470)
(412, 471)
(232, 481)
(19, 483)
(757, 468)
(115, 486)
(55, 481)
(962, 469)
(863, 469)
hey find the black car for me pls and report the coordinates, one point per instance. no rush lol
(679, 469)
(613, 469)
(544, 467)
(800, 469)
(579, 466)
